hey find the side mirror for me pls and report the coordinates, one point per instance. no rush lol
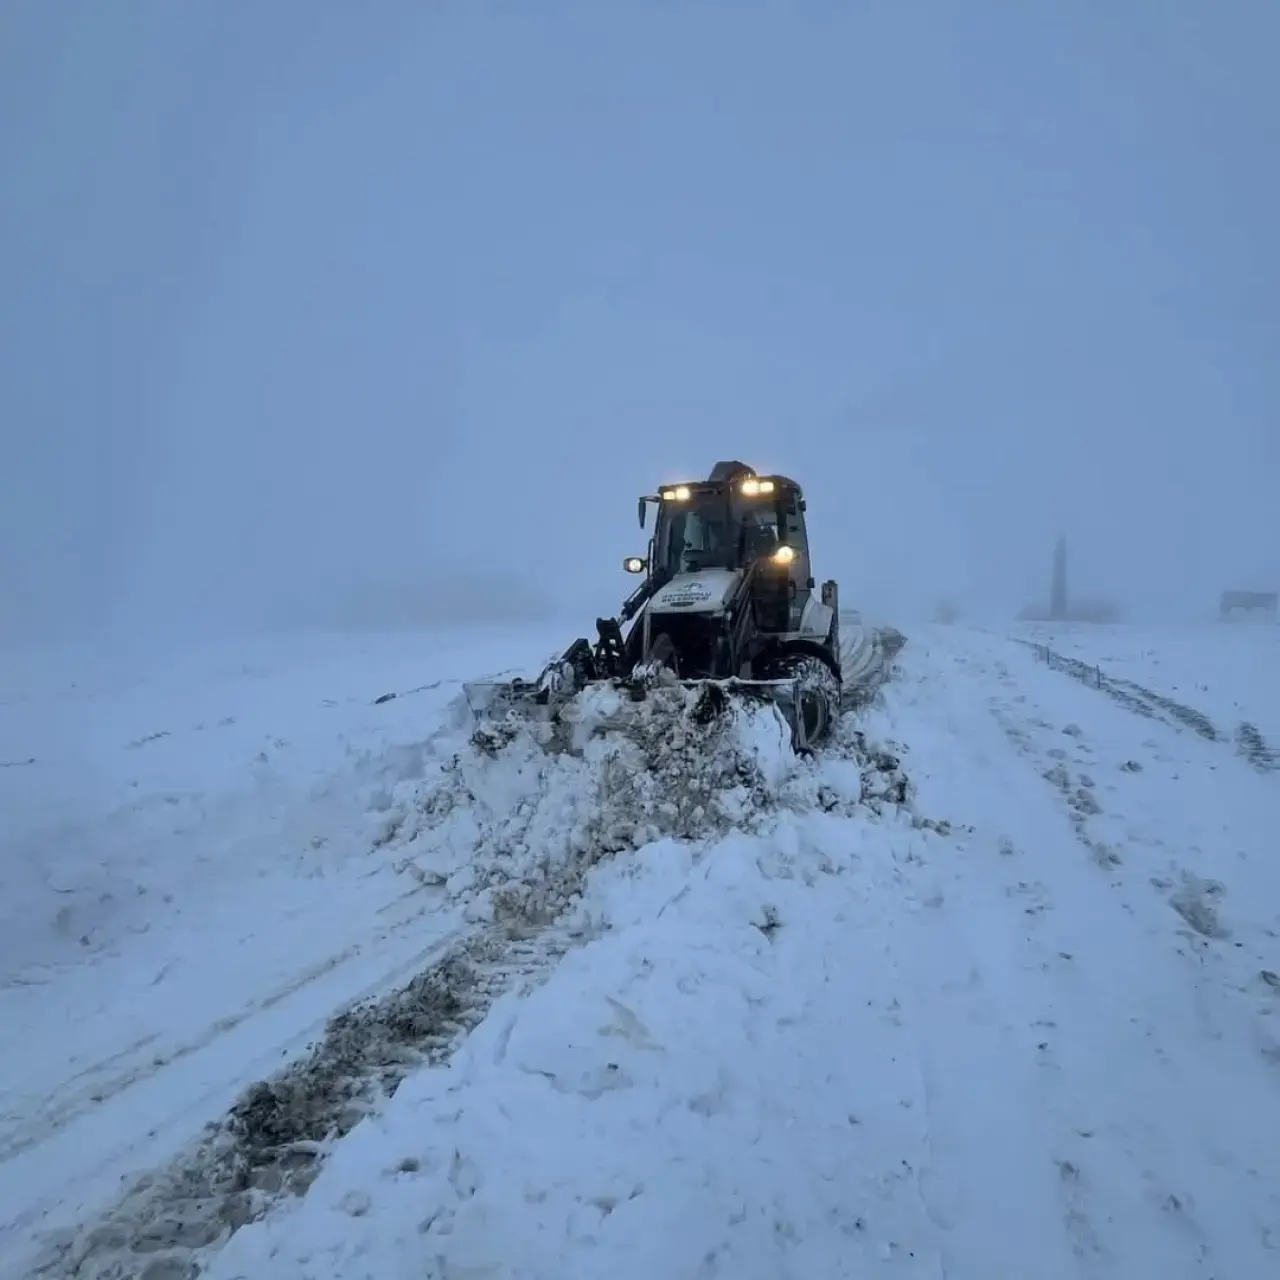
(635, 564)
(640, 510)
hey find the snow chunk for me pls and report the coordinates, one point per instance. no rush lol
(521, 809)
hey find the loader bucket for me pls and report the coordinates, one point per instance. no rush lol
(808, 696)
(491, 698)
(494, 699)
(536, 699)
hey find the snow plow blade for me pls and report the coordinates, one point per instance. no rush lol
(809, 718)
(809, 695)
(534, 699)
(493, 699)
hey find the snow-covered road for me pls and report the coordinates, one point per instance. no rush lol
(1020, 1018)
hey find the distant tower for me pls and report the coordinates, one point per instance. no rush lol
(1058, 591)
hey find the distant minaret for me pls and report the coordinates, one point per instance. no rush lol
(1058, 592)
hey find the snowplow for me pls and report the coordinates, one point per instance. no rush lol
(727, 607)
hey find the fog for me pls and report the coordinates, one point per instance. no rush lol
(337, 314)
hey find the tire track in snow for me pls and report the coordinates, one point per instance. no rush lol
(969, 975)
(1253, 746)
(20, 1129)
(1250, 743)
(1151, 1063)
(87, 1130)
(106, 1079)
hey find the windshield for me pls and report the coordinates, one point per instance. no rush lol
(703, 533)
(696, 535)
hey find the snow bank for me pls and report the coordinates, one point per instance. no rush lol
(522, 808)
(497, 824)
(667, 1104)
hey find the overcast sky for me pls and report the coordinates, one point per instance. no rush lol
(305, 300)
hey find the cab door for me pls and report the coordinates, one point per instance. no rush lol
(791, 514)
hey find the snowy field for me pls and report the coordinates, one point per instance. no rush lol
(988, 990)
(191, 882)
(1216, 676)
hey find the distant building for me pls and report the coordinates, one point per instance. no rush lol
(1063, 608)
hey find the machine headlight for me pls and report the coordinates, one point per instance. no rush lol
(784, 555)
(634, 564)
(679, 494)
(753, 488)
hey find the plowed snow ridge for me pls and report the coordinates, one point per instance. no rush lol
(506, 831)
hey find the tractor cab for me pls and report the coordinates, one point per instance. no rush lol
(733, 520)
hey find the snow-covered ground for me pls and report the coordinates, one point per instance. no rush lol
(988, 989)
(191, 882)
(120, 787)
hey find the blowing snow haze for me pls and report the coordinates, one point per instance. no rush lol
(316, 312)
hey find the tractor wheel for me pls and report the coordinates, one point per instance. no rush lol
(818, 693)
